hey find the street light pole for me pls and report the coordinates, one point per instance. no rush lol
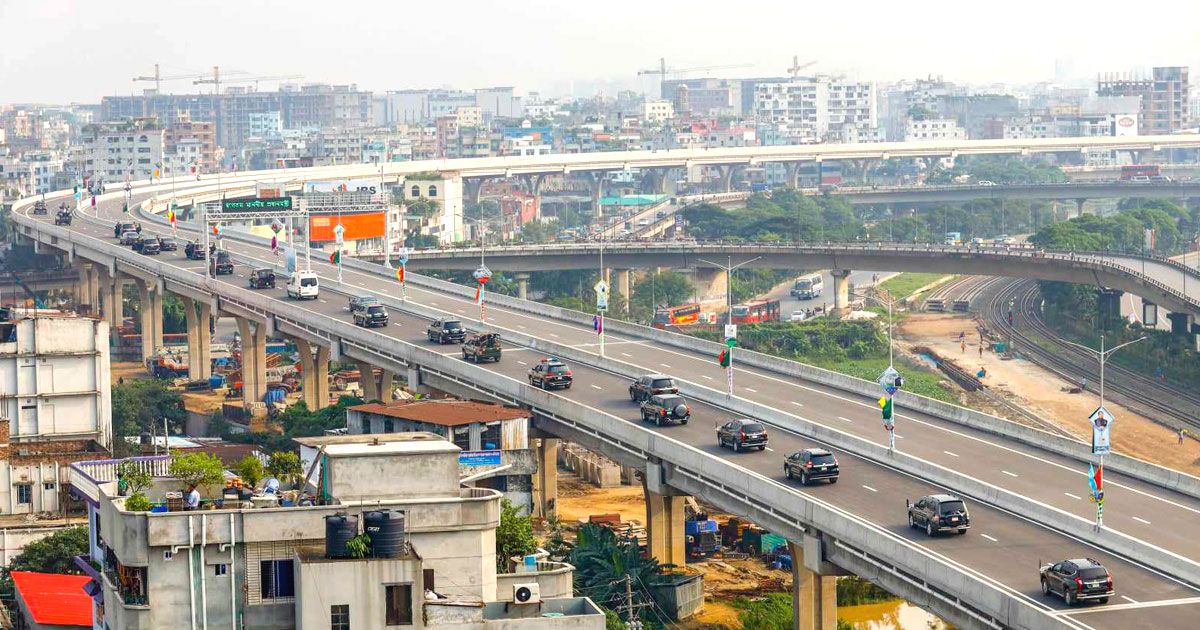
(387, 220)
(729, 268)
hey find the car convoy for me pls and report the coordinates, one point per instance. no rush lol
(659, 401)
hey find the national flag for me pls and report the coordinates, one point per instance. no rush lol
(274, 242)
(1095, 480)
(885, 405)
(336, 257)
(171, 215)
(400, 273)
(479, 294)
(93, 201)
(216, 229)
(725, 357)
(598, 324)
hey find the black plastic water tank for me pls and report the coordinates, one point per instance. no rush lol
(386, 529)
(339, 529)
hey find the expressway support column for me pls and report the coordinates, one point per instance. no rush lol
(726, 177)
(314, 368)
(655, 181)
(1079, 207)
(814, 596)
(385, 385)
(793, 174)
(150, 314)
(1109, 303)
(596, 181)
(545, 481)
(1181, 323)
(624, 277)
(105, 300)
(664, 525)
(523, 285)
(199, 337)
(367, 382)
(473, 187)
(841, 292)
(93, 287)
(115, 300)
(254, 361)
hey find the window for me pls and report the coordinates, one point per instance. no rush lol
(24, 493)
(432, 191)
(462, 437)
(398, 599)
(389, 426)
(415, 192)
(339, 617)
(277, 579)
(49, 485)
(220, 569)
(490, 439)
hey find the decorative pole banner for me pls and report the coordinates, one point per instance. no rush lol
(400, 273)
(482, 275)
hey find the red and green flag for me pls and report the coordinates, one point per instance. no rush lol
(725, 357)
(885, 405)
(336, 257)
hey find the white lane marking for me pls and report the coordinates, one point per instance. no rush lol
(1126, 597)
(844, 419)
(665, 365)
(324, 301)
(870, 488)
(1010, 474)
(752, 390)
(522, 363)
(433, 303)
(596, 387)
(1076, 497)
(553, 335)
(706, 376)
(899, 437)
(521, 326)
(798, 404)
(770, 449)
(950, 454)
(626, 354)
(1141, 520)
(1135, 606)
(989, 538)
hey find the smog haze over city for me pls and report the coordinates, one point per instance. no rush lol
(70, 50)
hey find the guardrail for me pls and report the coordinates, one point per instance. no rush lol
(988, 603)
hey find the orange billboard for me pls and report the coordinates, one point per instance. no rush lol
(357, 226)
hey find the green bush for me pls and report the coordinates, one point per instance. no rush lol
(137, 502)
(197, 469)
(250, 469)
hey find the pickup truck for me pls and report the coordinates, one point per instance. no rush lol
(484, 347)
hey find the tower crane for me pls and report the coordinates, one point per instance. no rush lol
(663, 70)
(797, 66)
(255, 80)
(158, 78)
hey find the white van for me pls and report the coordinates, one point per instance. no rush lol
(303, 285)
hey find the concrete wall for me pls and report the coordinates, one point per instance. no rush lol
(360, 584)
(394, 475)
(553, 580)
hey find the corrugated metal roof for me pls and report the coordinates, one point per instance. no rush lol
(447, 413)
(55, 599)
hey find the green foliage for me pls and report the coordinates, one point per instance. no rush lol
(137, 502)
(751, 283)
(485, 208)
(612, 621)
(602, 560)
(285, 466)
(422, 207)
(136, 477)
(174, 315)
(786, 215)
(53, 554)
(423, 176)
(514, 535)
(1122, 231)
(1001, 170)
(421, 241)
(852, 591)
(772, 612)
(905, 284)
(298, 421)
(668, 288)
(139, 405)
(536, 232)
(250, 469)
(842, 624)
(556, 545)
(359, 546)
(197, 469)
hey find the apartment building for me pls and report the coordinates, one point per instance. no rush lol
(282, 561)
(657, 112)
(1165, 97)
(188, 142)
(121, 150)
(934, 129)
(805, 109)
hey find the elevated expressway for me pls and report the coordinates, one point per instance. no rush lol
(1067, 191)
(1024, 487)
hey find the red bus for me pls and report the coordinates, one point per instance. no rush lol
(1144, 170)
(681, 315)
(756, 312)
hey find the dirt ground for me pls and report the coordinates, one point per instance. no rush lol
(1043, 392)
(127, 370)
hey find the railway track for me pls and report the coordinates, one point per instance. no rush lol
(1035, 340)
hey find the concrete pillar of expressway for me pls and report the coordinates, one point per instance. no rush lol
(841, 292)
(367, 382)
(1109, 303)
(710, 287)
(596, 181)
(726, 172)
(199, 337)
(545, 481)
(114, 298)
(150, 315)
(792, 169)
(105, 300)
(254, 361)
(1079, 207)
(523, 285)
(1181, 323)
(473, 189)
(655, 181)
(814, 596)
(314, 370)
(86, 291)
(386, 377)
(622, 289)
(664, 526)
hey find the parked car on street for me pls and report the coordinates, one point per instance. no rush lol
(129, 237)
(811, 464)
(194, 251)
(1077, 580)
(167, 244)
(149, 247)
(222, 264)
(939, 513)
(741, 434)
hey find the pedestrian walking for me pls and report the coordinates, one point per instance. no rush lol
(981, 350)
(1182, 433)
(963, 345)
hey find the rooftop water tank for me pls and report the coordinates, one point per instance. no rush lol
(339, 529)
(386, 529)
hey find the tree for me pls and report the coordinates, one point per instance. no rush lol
(140, 406)
(668, 288)
(197, 469)
(136, 477)
(514, 535)
(299, 421)
(53, 554)
(250, 469)
(285, 466)
(603, 559)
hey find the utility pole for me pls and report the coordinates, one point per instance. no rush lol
(629, 608)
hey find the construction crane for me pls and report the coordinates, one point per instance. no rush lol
(663, 70)
(797, 66)
(157, 78)
(255, 80)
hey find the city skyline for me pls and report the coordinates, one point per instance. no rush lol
(411, 47)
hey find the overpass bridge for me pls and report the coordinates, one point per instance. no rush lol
(1067, 191)
(1023, 485)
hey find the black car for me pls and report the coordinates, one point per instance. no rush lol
(126, 226)
(551, 374)
(167, 244)
(360, 302)
(222, 265)
(137, 244)
(262, 279)
(131, 238)
(446, 331)
(150, 247)
(648, 385)
(39, 207)
(811, 464)
(1077, 580)
(63, 217)
(194, 251)
(740, 434)
(663, 408)
(939, 513)
(371, 316)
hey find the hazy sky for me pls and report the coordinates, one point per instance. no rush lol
(80, 50)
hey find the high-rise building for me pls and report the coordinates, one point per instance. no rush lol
(1164, 97)
(121, 151)
(705, 97)
(806, 109)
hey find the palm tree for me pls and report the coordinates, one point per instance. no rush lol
(602, 559)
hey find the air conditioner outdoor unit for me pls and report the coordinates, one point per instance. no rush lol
(527, 593)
